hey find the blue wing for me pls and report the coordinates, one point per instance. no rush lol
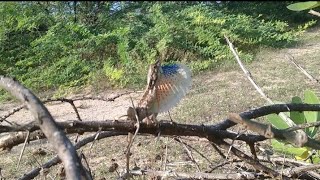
(173, 84)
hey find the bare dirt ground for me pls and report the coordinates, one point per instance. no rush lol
(212, 97)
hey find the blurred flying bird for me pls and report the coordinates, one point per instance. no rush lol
(166, 86)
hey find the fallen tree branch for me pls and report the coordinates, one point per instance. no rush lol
(14, 139)
(62, 145)
(270, 109)
(197, 175)
(77, 126)
(166, 127)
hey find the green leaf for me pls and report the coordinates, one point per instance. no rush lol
(316, 159)
(300, 6)
(289, 149)
(297, 117)
(311, 116)
(277, 121)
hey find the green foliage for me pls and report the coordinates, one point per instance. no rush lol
(277, 121)
(54, 45)
(300, 6)
(268, 10)
(311, 116)
(298, 118)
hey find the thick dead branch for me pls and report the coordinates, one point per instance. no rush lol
(167, 128)
(14, 139)
(56, 137)
(54, 161)
(270, 109)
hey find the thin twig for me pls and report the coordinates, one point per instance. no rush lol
(131, 139)
(231, 145)
(54, 161)
(314, 13)
(14, 110)
(87, 164)
(291, 59)
(165, 155)
(218, 150)
(96, 137)
(189, 153)
(194, 149)
(17, 109)
(303, 126)
(224, 163)
(249, 77)
(251, 161)
(23, 148)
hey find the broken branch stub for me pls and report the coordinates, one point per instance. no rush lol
(297, 138)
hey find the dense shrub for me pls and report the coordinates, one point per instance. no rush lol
(48, 45)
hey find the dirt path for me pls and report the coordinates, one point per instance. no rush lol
(88, 109)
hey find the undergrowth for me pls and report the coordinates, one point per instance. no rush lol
(49, 46)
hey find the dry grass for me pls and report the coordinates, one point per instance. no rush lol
(213, 96)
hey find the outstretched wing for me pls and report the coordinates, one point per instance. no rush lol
(172, 85)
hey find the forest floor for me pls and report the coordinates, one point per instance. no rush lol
(213, 95)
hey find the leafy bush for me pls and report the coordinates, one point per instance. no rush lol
(48, 45)
(298, 118)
